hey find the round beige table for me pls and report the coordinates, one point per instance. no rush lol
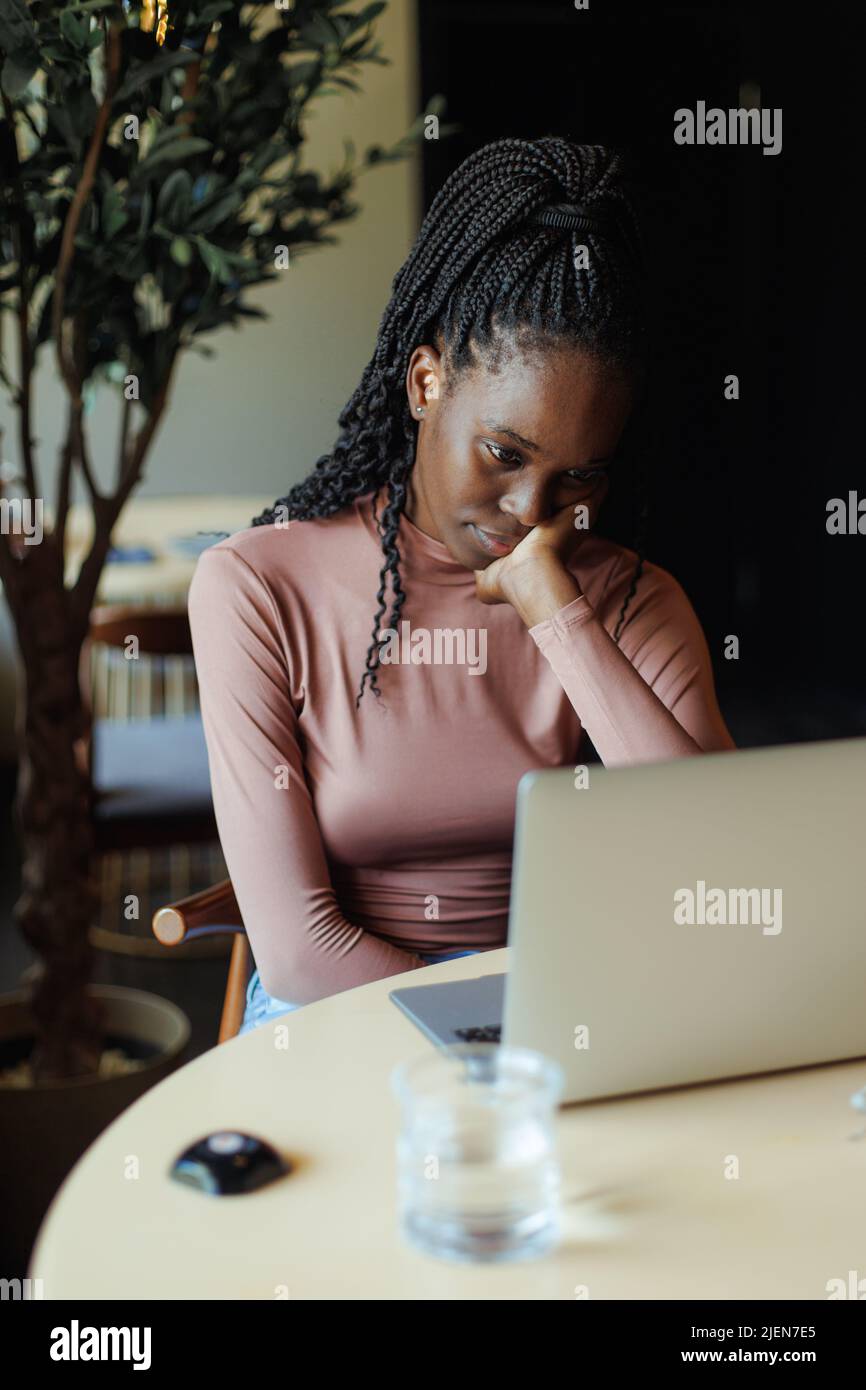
(649, 1212)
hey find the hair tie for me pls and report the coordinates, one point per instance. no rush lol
(568, 217)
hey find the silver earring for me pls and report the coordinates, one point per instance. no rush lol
(420, 409)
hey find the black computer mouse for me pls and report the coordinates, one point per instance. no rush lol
(229, 1162)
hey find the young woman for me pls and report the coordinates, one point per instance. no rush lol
(366, 837)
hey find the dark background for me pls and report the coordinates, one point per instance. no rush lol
(754, 261)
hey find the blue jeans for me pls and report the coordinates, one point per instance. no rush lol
(263, 1007)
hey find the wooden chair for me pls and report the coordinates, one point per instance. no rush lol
(210, 913)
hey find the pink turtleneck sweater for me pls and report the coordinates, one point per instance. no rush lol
(357, 838)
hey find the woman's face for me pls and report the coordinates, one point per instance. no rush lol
(502, 451)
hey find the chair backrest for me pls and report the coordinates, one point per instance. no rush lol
(159, 631)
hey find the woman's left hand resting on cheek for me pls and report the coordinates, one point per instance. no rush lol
(534, 577)
(625, 717)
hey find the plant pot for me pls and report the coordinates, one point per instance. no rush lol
(46, 1128)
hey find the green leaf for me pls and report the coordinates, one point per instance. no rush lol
(88, 5)
(74, 30)
(319, 32)
(113, 215)
(17, 72)
(212, 213)
(214, 260)
(181, 250)
(175, 199)
(304, 74)
(145, 215)
(19, 44)
(173, 153)
(165, 136)
(149, 72)
(370, 12)
(234, 258)
(16, 25)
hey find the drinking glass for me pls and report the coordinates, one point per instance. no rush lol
(477, 1165)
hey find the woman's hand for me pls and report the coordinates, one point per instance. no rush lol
(540, 561)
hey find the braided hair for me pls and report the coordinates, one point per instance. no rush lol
(478, 278)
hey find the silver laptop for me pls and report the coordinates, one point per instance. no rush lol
(679, 922)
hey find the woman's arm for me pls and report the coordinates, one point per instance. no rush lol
(649, 698)
(304, 947)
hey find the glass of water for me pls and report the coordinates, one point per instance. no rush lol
(477, 1166)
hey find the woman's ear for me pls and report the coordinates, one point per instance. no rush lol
(423, 379)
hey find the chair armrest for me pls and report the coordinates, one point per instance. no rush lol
(212, 911)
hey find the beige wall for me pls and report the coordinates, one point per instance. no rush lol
(256, 416)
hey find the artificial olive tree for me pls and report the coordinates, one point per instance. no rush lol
(150, 172)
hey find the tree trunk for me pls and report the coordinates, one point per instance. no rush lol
(58, 900)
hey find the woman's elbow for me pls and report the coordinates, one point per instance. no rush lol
(291, 980)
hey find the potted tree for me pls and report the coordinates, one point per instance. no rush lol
(150, 172)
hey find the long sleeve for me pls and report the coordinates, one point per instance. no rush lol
(651, 697)
(304, 947)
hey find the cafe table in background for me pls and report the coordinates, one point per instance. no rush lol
(156, 543)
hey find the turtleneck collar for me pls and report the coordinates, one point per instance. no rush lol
(425, 559)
